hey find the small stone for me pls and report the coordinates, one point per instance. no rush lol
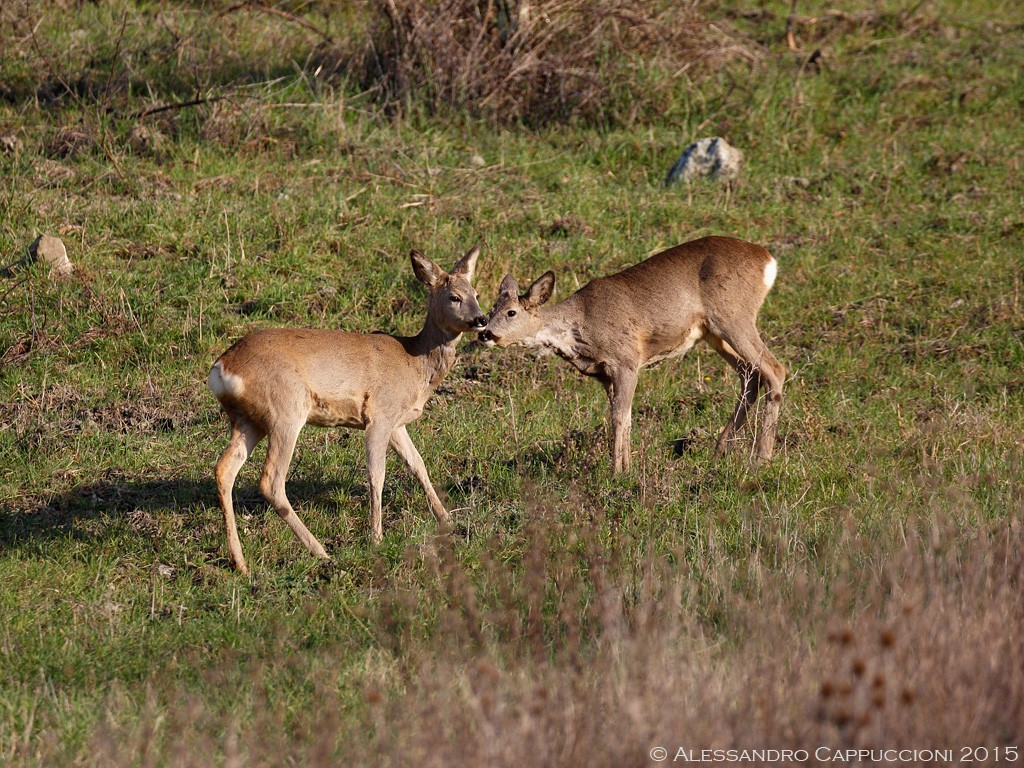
(11, 144)
(478, 161)
(51, 250)
(713, 158)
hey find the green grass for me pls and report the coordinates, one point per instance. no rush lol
(897, 312)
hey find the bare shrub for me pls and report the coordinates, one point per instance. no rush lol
(539, 61)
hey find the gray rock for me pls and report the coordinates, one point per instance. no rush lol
(712, 158)
(52, 251)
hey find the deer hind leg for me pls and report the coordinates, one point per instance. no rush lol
(279, 456)
(773, 378)
(620, 384)
(749, 381)
(403, 444)
(244, 437)
(757, 368)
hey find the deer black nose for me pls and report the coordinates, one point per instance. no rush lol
(480, 322)
(486, 336)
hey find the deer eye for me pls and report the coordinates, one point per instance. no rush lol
(456, 299)
(511, 313)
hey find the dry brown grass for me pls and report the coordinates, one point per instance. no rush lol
(540, 61)
(509, 61)
(582, 657)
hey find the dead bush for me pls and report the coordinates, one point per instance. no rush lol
(540, 61)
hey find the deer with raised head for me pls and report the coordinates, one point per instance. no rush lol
(273, 382)
(709, 289)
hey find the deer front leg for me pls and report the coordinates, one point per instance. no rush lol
(620, 384)
(376, 459)
(403, 444)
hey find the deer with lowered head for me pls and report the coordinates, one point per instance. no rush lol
(273, 382)
(709, 289)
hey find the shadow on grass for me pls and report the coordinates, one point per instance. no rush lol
(102, 508)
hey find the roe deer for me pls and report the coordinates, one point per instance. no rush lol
(708, 289)
(273, 382)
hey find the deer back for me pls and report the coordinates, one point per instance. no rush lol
(661, 306)
(337, 378)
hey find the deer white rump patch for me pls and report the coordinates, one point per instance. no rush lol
(770, 270)
(224, 382)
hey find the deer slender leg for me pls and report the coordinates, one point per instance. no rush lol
(773, 377)
(376, 459)
(403, 444)
(757, 368)
(244, 437)
(279, 457)
(620, 385)
(749, 383)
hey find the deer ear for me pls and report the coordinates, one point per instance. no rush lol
(425, 269)
(540, 291)
(467, 264)
(509, 287)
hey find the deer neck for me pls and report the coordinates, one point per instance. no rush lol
(436, 347)
(560, 330)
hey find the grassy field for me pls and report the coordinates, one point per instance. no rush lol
(863, 590)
